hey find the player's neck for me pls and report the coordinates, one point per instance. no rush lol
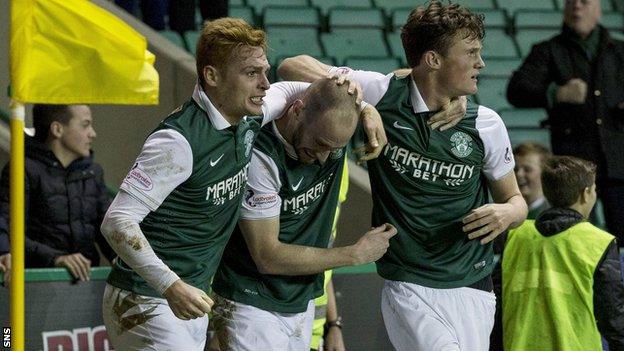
(286, 126)
(431, 91)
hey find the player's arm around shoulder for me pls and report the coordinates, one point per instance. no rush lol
(509, 209)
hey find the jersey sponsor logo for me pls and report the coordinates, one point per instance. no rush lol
(227, 189)
(139, 178)
(213, 163)
(418, 166)
(300, 203)
(462, 144)
(398, 126)
(296, 187)
(508, 155)
(260, 201)
(249, 138)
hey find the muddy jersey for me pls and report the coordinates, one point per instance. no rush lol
(426, 181)
(304, 197)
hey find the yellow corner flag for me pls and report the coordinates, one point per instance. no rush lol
(74, 52)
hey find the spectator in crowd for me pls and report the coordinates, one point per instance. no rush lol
(529, 158)
(5, 265)
(577, 77)
(564, 270)
(65, 195)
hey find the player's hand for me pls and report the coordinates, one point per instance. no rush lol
(373, 126)
(78, 265)
(352, 88)
(373, 244)
(488, 221)
(572, 92)
(450, 114)
(333, 340)
(5, 267)
(186, 301)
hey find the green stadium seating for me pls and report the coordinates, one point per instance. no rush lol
(492, 93)
(520, 135)
(237, 3)
(343, 43)
(617, 35)
(523, 117)
(290, 41)
(526, 38)
(399, 18)
(531, 19)
(291, 16)
(500, 67)
(477, 4)
(243, 12)
(613, 21)
(513, 5)
(605, 4)
(260, 5)
(396, 46)
(494, 18)
(190, 38)
(390, 6)
(381, 65)
(355, 18)
(173, 37)
(325, 5)
(497, 44)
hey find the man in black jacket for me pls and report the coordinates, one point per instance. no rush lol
(65, 198)
(578, 76)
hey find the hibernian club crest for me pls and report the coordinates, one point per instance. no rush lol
(248, 142)
(336, 154)
(462, 144)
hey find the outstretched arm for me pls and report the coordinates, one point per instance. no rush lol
(274, 257)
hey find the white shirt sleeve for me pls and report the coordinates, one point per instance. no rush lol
(498, 161)
(262, 199)
(374, 84)
(121, 229)
(165, 162)
(279, 96)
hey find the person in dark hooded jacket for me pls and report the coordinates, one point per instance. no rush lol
(65, 195)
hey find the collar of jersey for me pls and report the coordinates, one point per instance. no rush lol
(416, 98)
(290, 150)
(216, 118)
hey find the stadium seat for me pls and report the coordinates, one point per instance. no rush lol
(343, 43)
(492, 93)
(291, 16)
(617, 35)
(494, 18)
(243, 12)
(355, 18)
(399, 18)
(497, 44)
(326, 5)
(173, 37)
(290, 41)
(477, 4)
(396, 46)
(190, 38)
(526, 38)
(605, 4)
(390, 6)
(237, 3)
(260, 5)
(531, 19)
(382, 65)
(523, 117)
(613, 21)
(513, 5)
(520, 135)
(500, 67)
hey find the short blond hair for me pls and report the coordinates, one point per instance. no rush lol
(219, 39)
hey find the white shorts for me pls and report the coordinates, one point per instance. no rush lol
(418, 318)
(138, 322)
(242, 327)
